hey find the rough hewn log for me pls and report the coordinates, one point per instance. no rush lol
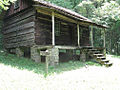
(20, 38)
(18, 44)
(22, 15)
(21, 27)
(23, 21)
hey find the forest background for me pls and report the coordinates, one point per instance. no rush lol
(104, 12)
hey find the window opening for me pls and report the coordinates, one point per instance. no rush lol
(16, 4)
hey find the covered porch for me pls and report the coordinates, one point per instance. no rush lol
(62, 50)
(65, 46)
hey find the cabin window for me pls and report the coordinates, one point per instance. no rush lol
(16, 4)
(57, 29)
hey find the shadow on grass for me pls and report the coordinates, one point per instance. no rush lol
(39, 68)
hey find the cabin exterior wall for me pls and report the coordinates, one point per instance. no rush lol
(26, 31)
(43, 30)
(85, 36)
(23, 4)
(19, 29)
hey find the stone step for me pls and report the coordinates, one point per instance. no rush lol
(102, 58)
(95, 52)
(98, 54)
(104, 61)
(108, 64)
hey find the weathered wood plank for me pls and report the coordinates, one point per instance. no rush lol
(13, 34)
(66, 47)
(44, 53)
(24, 31)
(25, 43)
(21, 27)
(26, 20)
(24, 4)
(20, 38)
(20, 16)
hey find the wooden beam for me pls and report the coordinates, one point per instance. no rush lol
(53, 28)
(91, 36)
(104, 44)
(66, 47)
(61, 16)
(104, 39)
(78, 31)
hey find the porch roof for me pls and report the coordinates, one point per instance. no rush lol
(68, 12)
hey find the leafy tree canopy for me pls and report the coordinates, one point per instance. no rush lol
(108, 13)
(4, 4)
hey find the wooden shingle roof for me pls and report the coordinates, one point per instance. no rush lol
(67, 12)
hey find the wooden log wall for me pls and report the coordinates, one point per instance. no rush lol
(43, 34)
(19, 29)
(85, 33)
(23, 4)
(43, 30)
(67, 34)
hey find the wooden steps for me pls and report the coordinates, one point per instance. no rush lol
(108, 64)
(99, 57)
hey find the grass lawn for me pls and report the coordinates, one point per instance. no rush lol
(24, 74)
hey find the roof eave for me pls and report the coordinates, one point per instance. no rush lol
(67, 12)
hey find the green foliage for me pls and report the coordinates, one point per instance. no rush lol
(108, 13)
(74, 3)
(70, 4)
(1, 41)
(85, 8)
(23, 63)
(4, 4)
(63, 3)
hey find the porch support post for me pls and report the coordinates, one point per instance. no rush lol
(104, 44)
(91, 36)
(53, 28)
(78, 31)
(104, 39)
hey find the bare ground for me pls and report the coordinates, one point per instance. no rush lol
(90, 78)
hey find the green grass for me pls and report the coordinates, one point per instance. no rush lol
(24, 74)
(39, 68)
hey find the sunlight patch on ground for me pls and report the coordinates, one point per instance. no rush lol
(91, 78)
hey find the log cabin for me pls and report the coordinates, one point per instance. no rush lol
(38, 29)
